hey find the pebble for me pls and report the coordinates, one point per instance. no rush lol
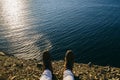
(2, 54)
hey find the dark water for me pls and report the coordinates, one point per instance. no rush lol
(91, 28)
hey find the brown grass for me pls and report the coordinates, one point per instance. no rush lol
(12, 68)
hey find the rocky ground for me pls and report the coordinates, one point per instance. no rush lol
(12, 68)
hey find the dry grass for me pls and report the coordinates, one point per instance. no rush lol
(12, 68)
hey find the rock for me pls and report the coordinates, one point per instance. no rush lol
(96, 66)
(103, 71)
(90, 64)
(28, 68)
(14, 65)
(2, 54)
(13, 77)
(39, 65)
(6, 64)
(3, 77)
(20, 65)
(108, 69)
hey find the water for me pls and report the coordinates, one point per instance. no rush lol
(90, 28)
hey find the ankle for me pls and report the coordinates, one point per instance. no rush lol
(69, 60)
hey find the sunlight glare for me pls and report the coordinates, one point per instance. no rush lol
(12, 13)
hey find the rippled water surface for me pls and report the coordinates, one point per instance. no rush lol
(91, 28)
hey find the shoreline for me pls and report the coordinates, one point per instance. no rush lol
(13, 68)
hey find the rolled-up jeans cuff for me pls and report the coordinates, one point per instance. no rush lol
(46, 75)
(68, 75)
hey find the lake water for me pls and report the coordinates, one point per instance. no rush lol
(91, 28)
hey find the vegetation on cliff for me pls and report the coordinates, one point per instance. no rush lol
(12, 68)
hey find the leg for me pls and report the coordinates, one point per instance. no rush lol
(47, 75)
(47, 67)
(69, 61)
(68, 75)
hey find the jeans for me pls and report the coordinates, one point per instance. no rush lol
(47, 75)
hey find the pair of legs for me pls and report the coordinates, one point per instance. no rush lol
(68, 65)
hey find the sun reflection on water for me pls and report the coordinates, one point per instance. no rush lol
(13, 12)
(21, 37)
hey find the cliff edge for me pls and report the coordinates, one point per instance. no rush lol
(12, 68)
